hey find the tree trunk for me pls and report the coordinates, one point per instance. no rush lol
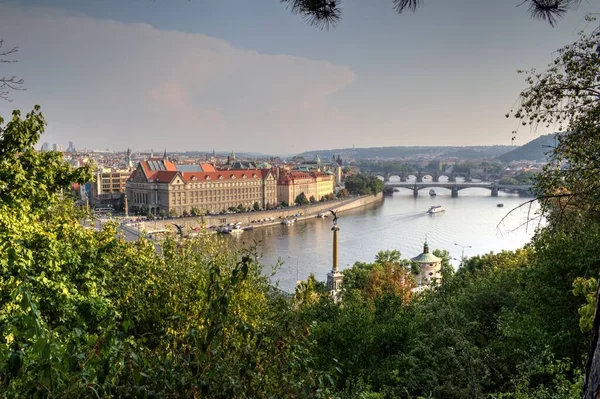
(591, 386)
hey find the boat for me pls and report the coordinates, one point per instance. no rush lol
(436, 209)
(322, 215)
(432, 192)
(288, 222)
(500, 205)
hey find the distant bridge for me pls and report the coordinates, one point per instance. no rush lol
(435, 175)
(456, 187)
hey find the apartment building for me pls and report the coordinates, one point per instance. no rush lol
(108, 186)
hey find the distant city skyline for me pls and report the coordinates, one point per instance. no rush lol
(254, 78)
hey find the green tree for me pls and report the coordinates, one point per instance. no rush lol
(256, 206)
(163, 213)
(312, 199)
(173, 212)
(301, 199)
(195, 211)
(343, 193)
(84, 313)
(185, 213)
(284, 204)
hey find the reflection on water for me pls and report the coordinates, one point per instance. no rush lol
(399, 223)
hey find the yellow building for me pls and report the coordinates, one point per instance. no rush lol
(312, 184)
(108, 186)
(159, 185)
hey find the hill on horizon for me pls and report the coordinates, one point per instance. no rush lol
(537, 149)
(391, 153)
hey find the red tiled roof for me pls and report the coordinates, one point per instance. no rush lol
(164, 176)
(226, 174)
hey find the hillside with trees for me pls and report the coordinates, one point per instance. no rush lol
(538, 149)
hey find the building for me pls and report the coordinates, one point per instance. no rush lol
(312, 184)
(108, 187)
(46, 146)
(159, 185)
(431, 268)
(56, 147)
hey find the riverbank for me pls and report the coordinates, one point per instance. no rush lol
(257, 219)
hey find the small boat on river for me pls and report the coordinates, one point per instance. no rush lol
(432, 192)
(500, 205)
(436, 209)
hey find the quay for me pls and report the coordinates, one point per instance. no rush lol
(299, 213)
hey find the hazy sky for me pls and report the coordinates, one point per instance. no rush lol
(246, 75)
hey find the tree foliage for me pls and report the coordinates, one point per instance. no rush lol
(301, 199)
(84, 313)
(328, 13)
(361, 184)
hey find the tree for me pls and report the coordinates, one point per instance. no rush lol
(84, 312)
(241, 208)
(284, 204)
(509, 180)
(312, 199)
(301, 199)
(195, 211)
(173, 213)
(343, 193)
(185, 213)
(327, 13)
(566, 95)
(163, 213)
(256, 206)
(149, 216)
(8, 83)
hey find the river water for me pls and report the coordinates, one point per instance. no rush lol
(400, 222)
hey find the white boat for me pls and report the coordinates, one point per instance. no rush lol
(432, 192)
(436, 209)
(288, 222)
(322, 215)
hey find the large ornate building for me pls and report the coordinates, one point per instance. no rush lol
(160, 185)
(312, 184)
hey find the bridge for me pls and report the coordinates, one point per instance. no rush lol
(456, 187)
(435, 175)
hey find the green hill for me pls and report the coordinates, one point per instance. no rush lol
(536, 150)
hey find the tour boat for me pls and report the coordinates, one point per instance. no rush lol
(500, 205)
(436, 209)
(432, 192)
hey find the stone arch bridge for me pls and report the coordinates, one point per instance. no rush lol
(436, 174)
(524, 189)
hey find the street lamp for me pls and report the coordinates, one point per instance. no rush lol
(462, 255)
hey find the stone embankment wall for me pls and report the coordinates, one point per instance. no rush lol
(310, 211)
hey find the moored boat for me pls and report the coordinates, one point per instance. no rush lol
(500, 205)
(432, 192)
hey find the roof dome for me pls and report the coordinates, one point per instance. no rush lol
(426, 257)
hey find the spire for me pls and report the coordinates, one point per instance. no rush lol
(425, 246)
(165, 155)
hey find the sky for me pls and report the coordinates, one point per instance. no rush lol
(248, 76)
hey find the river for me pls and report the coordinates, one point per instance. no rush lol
(401, 223)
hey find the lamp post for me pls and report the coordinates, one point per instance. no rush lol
(462, 254)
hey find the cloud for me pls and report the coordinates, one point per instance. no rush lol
(103, 83)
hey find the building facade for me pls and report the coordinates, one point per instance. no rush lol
(312, 184)
(159, 185)
(108, 187)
